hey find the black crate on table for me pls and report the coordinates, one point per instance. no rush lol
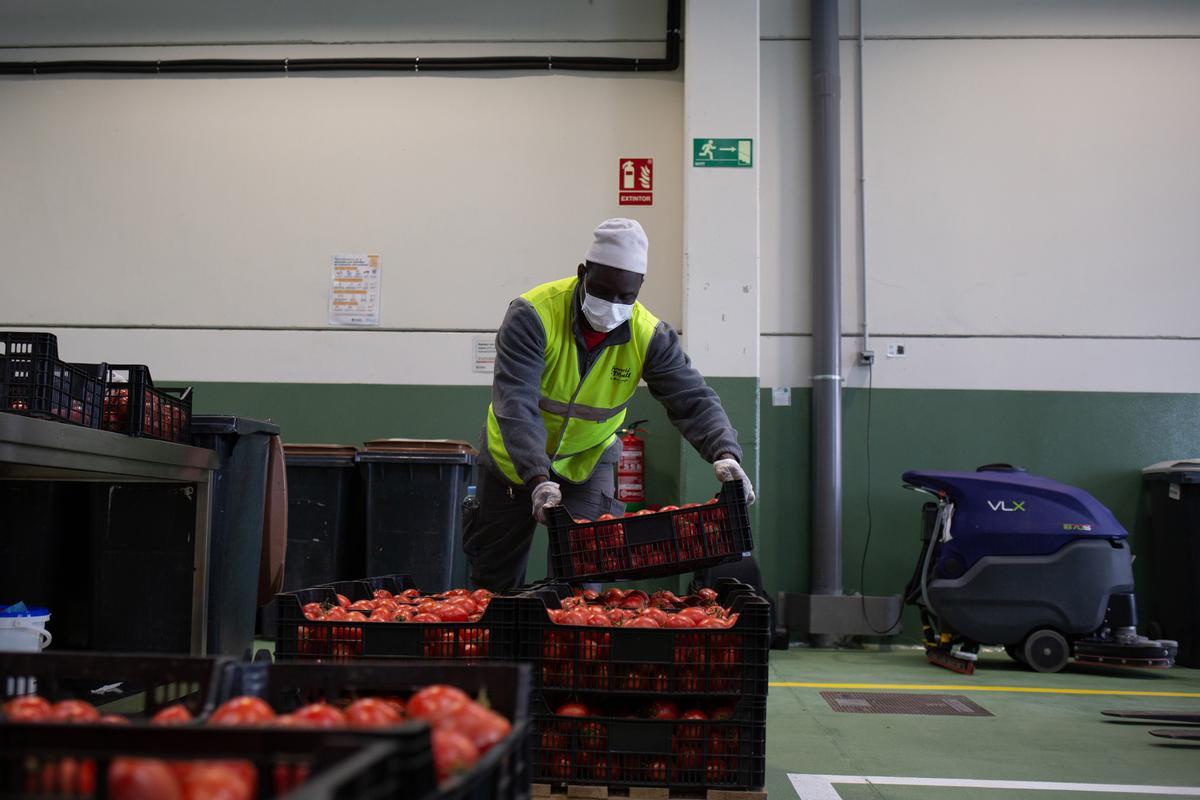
(611, 748)
(35, 382)
(504, 771)
(651, 545)
(53, 761)
(133, 685)
(658, 662)
(135, 407)
(298, 638)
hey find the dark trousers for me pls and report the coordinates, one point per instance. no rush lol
(497, 534)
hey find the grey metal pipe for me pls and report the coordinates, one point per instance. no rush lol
(826, 299)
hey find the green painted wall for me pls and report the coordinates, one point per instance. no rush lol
(1098, 441)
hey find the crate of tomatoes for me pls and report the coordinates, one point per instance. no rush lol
(35, 382)
(140, 685)
(388, 617)
(478, 713)
(645, 544)
(697, 743)
(135, 407)
(627, 641)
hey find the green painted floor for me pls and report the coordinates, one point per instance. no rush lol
(1056, 737)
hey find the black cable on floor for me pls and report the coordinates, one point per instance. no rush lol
(862, 569)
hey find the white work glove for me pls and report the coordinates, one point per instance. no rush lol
(545, 494)
(729, 469)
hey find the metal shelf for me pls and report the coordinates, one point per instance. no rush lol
(43, 450)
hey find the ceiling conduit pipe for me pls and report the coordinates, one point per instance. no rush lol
(285, 66)
(826, 299)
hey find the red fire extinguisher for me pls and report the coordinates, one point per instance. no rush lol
(631, 468)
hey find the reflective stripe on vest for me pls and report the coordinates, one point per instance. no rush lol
(581, 413)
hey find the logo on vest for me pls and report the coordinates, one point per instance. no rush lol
(621, 374)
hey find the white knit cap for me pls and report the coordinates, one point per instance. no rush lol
(619, 243)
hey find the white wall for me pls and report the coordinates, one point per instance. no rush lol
(1029, 177)
(216, 202)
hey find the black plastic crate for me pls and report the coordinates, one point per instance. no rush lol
(651, 545)
(35, 382)
(616, 748)
(133, 685)
(135, 407)
(502, 773)
(647, 661)
(56, 761)
(298, 638)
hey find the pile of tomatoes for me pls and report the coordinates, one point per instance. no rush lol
(462, 730)
(575, 744)
(599, 546)
(698, 653)
(454, 606)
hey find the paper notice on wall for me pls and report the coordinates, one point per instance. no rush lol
(484, 350)
(354, 290)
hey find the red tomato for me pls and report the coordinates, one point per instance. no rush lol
(313, 610)
(372, 712)
(641, 622)
(707, 595)
(114, 719)
(679, 621)
(366, 606)
(596, 619)
(27, 708)
(693, 713)
(396, 703)
(658, 615)
(612, 597)
(696, 615)
(242, 711)
(319, 715)
(337, 614)
(634, 600)
(177, 714)
(561, 766)
(428, 607)
(450, 612)
(74, 711)
(572, 709)
(593, 736)
(663, 709)
(435, 702)
(382, 594)
(481, 595)
(657, 771)
(425, 618)
(343, 601)
(465, 603)
(382, 615)
(218, 781)
(574, 617)
(76, 777)
(452, 753)
(142, 779)
(484, 727)
(355, 616)
(712, 622)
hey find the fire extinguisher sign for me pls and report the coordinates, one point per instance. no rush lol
(635, 181)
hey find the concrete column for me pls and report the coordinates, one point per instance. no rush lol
(720, 220)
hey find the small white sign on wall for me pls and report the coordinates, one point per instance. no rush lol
(354, 290)
(484, 353)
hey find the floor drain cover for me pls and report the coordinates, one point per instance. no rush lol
(938, 705)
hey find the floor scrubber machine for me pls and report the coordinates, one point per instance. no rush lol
(1025, 562)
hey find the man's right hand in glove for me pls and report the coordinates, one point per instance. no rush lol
(545, 494)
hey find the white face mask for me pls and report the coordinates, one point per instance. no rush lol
(603, 315)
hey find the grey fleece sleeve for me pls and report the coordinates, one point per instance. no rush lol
(692, 406)
(516, 389)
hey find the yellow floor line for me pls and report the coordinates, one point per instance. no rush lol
(958, 687)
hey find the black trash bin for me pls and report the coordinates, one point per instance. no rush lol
(414, 500)
(325, 529)
(1173, 490)
(235, 536)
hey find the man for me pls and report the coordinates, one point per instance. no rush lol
(569, 356)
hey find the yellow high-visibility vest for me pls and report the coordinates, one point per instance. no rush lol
(582, 413)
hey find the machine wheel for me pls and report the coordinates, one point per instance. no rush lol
(1046, 650)
(1016, 653)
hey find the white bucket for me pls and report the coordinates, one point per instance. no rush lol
(25, 633)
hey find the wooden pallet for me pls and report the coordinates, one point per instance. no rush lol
(546, 791)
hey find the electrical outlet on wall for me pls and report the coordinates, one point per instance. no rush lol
(896, 350)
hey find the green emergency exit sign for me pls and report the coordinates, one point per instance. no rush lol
(722, 153)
